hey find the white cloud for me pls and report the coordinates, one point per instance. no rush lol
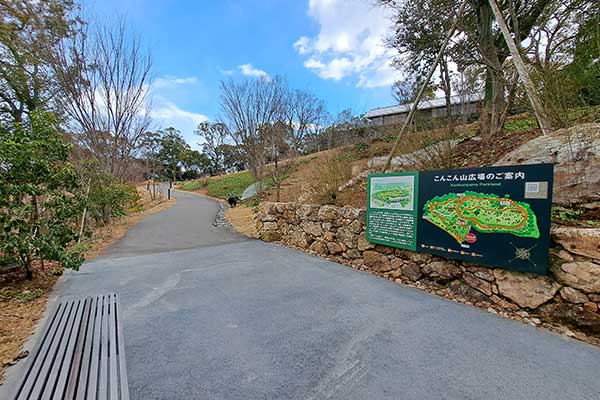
(226, 72)
(349, 43)
(336, 69)
(302, 45)
(170, 111)
(170, 81)
(165, 114)
(383, 75)
(249, 70)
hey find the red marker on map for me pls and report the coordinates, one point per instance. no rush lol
(471, 238)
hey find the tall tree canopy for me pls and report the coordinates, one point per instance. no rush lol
(30, 34)
(173, 151)
(419, 26)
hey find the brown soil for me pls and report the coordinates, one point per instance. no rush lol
(356, 196)
(23, 302)
(242, 220)
(202, 192)
(22, 305)
(478, 152)
(294, 186)
(488, 150)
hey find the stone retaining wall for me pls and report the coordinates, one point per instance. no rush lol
(567, 300)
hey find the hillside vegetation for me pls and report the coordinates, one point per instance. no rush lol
(337, 176)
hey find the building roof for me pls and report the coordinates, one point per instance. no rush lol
(423, 105)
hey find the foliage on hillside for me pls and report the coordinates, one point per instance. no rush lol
(470, 151)
(221, 186)
(224, 186)
(38, 195)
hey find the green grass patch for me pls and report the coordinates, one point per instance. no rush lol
(28, 295)
(193, 185)
(229, 185)
(520, 124)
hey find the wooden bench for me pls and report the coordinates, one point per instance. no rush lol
(79, 355)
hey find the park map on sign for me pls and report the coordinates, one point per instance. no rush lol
(456, 213)
(393, 195)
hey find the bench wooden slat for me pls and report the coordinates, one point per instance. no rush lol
(80, 354)
(84, 374)
(40, 352)
(124, 387)
(103, 377)
(92, 384)
(46, 367)
(58, 376)
(77, 364)
(112, 349)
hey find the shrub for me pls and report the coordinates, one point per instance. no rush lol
(520, 124)
(435, 155)
(361, 147)
(38, 195)
(112, 200)
(558, 92)
(107, 198)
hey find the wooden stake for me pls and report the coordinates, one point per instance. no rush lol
(87, 195)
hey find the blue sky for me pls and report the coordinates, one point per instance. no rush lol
(331, 47)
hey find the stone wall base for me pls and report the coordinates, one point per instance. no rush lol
(567, 301)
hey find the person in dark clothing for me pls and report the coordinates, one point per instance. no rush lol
(233, 200)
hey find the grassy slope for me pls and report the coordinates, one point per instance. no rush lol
(221, 186)
(229, 185)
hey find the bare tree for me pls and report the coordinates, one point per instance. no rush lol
(280, 152)
(249, 107)
(104, 74)
(151, 145)
(553, 38)
(478, 41)
(305, 115)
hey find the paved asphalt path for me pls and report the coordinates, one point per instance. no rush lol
(209, 314)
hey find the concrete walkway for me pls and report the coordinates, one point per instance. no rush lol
(209, 314)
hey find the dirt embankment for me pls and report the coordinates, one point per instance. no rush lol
(242, 220)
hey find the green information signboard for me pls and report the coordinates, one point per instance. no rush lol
(392, 209)
(497, 216)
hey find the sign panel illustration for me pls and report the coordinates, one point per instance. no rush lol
(497, 216)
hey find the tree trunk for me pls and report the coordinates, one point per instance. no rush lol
(27, 267)
(446, 86)
(432, 69)
(493, 101)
